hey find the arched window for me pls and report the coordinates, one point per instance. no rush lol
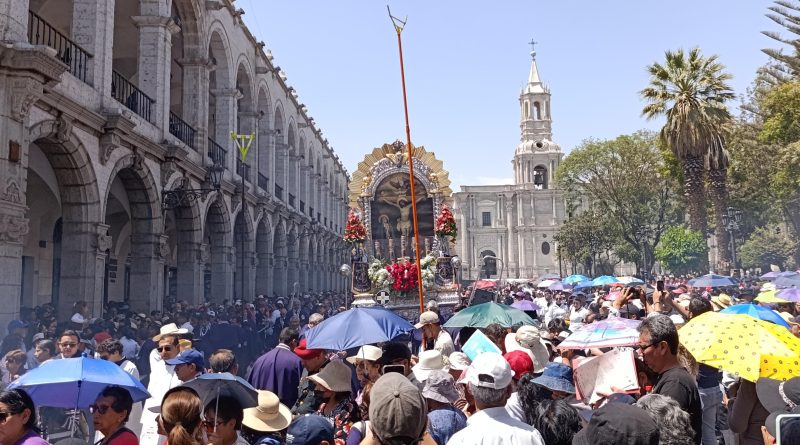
(545, 248)
(526, 110)
(540, 177)
(537, 111)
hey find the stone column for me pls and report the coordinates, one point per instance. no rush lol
(13, 228)
(512, 253)
(192, 258)
(221, 273)
(264, 273)
(195, 97)
(14, 20)
(93, 30)
(155, 53)
(226, 122)
(281, 275)
(248, 121)
(148, 251)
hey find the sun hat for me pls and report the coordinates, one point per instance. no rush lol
(777, 395)
(269, 415)
(310, 429)
(186, 357)
(721, 301)
(788, 317)
(556, 377)
(427, 317)
(429, 361)
(397, 410)
(441, 387)
(618, 423)
(489, 370)
(528, 339)
(335, 376)
(520, 363)
(459, 361)
(367, 352)
(169, 329)
(304, 353)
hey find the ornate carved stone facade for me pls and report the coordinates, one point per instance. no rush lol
(135, 99)
(508, 229)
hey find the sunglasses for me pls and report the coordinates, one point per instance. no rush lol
(165, 348)
(68, 345)
(102, 409)
(211, 426)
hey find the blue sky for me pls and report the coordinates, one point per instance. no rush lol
(467, 60)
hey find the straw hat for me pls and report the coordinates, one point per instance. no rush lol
(335, 376)
(721, 301)
(527, 339)
(269, 415)
(167, 329)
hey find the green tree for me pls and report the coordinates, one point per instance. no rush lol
(584, 238)
(682, 250)
(767, 246)
(627, 179)
(691, 90)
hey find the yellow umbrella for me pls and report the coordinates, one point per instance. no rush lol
(742, 345)
(770, 296)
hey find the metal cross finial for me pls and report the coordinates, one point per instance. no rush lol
(533, 43)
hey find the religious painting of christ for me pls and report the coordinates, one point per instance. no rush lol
(391, 214)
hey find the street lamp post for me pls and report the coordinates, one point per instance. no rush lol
(731, 219)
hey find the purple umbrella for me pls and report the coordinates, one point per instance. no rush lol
(525, 305)
(770, 275)
(791, 294)
(607, 333)
(556, 286)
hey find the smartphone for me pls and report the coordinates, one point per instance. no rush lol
(787, 429)
(660, 285)
(400, 369)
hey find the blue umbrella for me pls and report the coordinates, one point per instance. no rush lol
(584, 284)
(76, 382)
(574, 279)
(209, 386)
(756, 311)
(357, 327)
(712, 280)
(604, 280)
(791, 279)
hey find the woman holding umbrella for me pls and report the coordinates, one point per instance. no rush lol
(110, 412)
(18, 419)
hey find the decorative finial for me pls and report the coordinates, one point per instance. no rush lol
(533, 49)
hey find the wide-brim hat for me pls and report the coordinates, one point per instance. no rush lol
(169, 329)
(367, 352)
(335, 376)
(556, 377)
(269, 415)
(527, 339)
(721, 301)
(777, 395)
(429, 361)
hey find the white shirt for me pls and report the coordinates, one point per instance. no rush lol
(514, 407)
(576, 317)
(162, 379)
(130, 349)
(494, 426)
(444, 343)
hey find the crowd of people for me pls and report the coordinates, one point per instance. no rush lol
(421, 388)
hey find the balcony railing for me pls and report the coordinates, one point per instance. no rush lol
(216, 153)
(243, 169)
(182, 130)
(279, 192)
(263, 181)
(127, 94)
(302, 207)
(291, 199)
(42, 33)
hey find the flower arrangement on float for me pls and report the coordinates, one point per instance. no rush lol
(354, 232)
(446, 224)
(401, 276)
(379, 276)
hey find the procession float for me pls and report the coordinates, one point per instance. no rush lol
(380, 231)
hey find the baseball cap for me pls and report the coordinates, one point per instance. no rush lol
(427, 317)
(617, 423)
(490, 370)
(186, 357)
(303, 352)
(397, 410)
(311, 429)
(520, 363)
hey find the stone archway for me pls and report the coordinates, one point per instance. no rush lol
(69, 164)
(137, 252)
(185, 263)
(264, 271)
(304, 264)
(218, 274)
(279, 248)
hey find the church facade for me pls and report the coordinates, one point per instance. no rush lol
(507, 231)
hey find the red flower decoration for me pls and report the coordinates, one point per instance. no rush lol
(446, 224)
(354, 232)
(404, 276)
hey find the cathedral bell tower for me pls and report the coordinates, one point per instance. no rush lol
(537, 156)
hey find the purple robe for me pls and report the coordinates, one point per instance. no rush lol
(278, 371)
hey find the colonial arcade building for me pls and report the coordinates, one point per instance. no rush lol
(118, 176)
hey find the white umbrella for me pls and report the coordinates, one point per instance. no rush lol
(546, 284)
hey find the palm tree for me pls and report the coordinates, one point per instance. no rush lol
(690, 91)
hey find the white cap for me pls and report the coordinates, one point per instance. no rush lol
(490, 370)
(427, 317)
(366, 352)
(459, 361)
